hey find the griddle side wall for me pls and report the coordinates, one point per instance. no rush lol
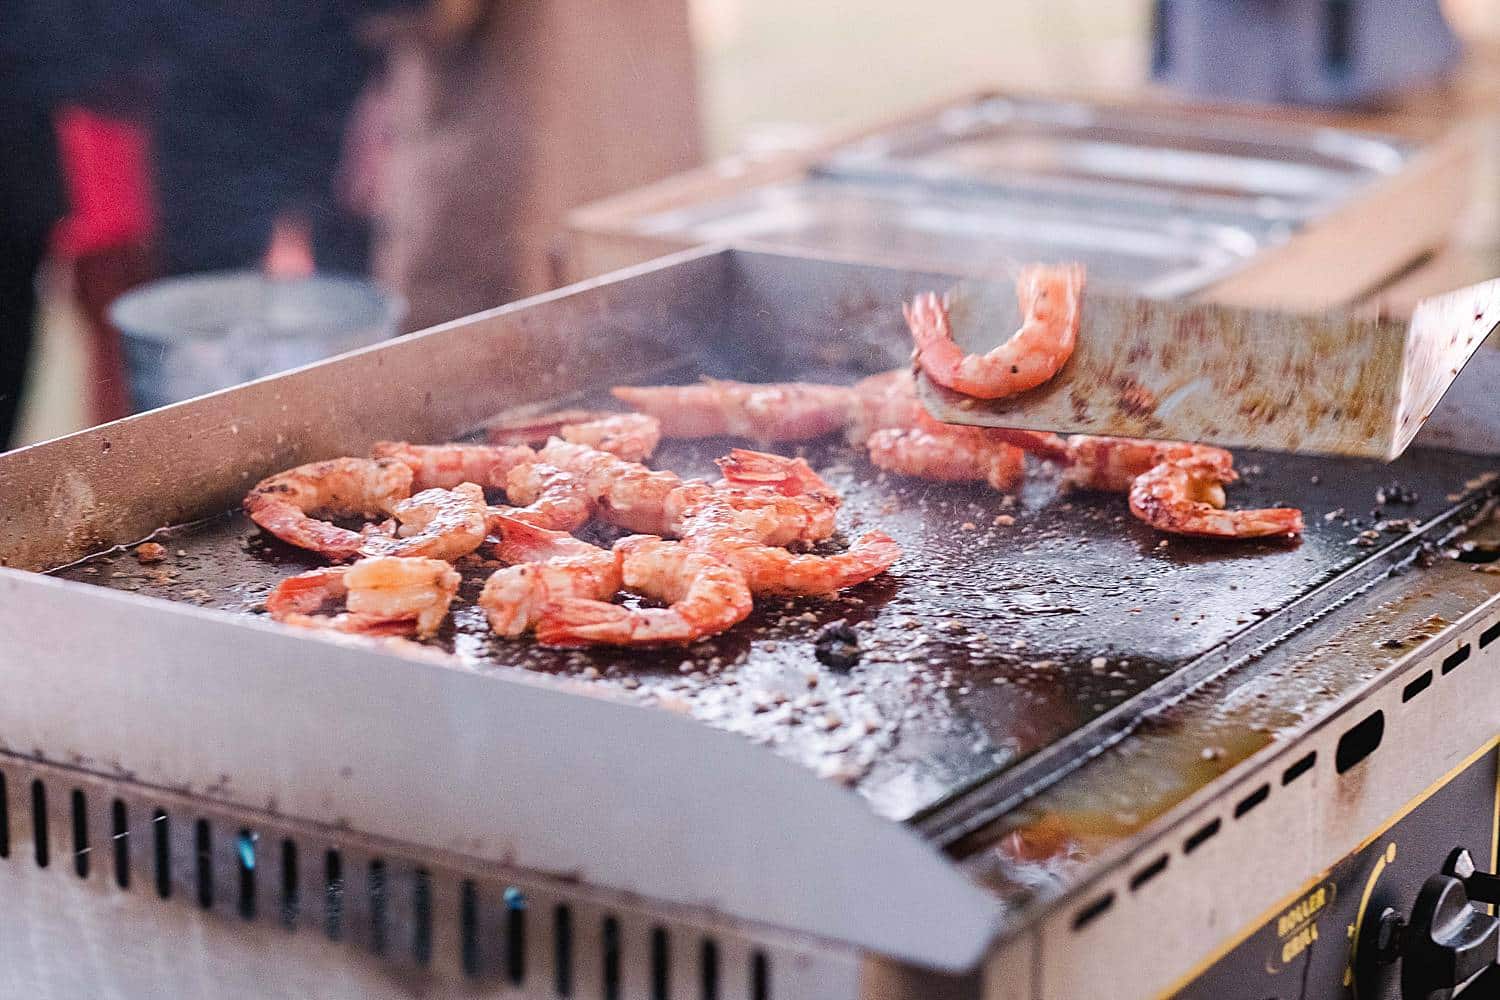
(64, 499)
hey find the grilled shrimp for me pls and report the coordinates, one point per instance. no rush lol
(547, 497)
(771, 411)
(889, 402)
(625, 493)
(549, 566)
(283, 504)
(444, 466)
(385, 595)
(631, 436)
(772, 570)
(951, 455)
(435, 524)
(535, 430)
(1111, 464)
(1049, 299)
(794, 501)
(704, 597)
(1183, 498)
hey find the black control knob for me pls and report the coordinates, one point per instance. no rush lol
(1449, 947)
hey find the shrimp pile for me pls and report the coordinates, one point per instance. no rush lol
(702, 550)
(882, 414)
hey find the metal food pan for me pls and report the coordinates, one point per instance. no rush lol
(1171, 161)
(902, 224)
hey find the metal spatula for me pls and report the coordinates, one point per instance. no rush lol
(1330, 384)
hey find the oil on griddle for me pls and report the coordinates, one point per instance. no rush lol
(988, 640)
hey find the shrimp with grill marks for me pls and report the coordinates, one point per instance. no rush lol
(768, 411)
(952, 456)
(889, 402)
(703, 596)
(444, 466)
(548, 567)
(1049, 299)
(1111, 464)
(1184, 498)
(631, 436)
(384, 595)
(547, 497)
(435, 524)
(795, 499)
(625, 493)
(769, 569)
(283, 504)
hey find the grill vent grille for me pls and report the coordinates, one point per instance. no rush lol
(1355, 745)
(382, 905)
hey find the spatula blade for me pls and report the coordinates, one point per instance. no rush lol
(1326, 383)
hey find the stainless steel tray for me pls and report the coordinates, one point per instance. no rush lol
(1172, 162)
(903, 224)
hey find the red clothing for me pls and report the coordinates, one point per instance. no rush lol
(107, 173)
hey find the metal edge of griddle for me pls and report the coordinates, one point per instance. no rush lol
(247, 713)
(949, 822)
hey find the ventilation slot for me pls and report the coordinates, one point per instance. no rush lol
(611, 959)
(375, 886)
(1204, 834)
(1093, 911)
(1148, 873)
(1300, 768)
(1489, 635)
(468, 941)
(1455, 659)
(4, 819)
(1359, 742)
(119, 835)
(1421, 683)
(1252, 800)
(708, 959)
(421, 905)
(291, 894)
(515, 935)
(161, 831)
(80, 807)
(203, 855)
(333, 895)
(661, 964)
(760, 976)
(39, 822)
(245, 859)
(562, 950)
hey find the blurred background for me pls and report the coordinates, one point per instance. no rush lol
(436, 148)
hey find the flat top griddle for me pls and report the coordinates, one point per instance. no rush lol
(986, 644)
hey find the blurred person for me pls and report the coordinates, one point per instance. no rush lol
(105, 240)
(31, 190)
(502, 117)
(1331, 52)
(248, 134)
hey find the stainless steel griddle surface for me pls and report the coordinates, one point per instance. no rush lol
(987, 643)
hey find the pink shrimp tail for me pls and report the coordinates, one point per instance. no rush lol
(788, 476)
(579, 622)
(927, 319)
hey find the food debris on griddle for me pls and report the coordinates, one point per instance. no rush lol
(150, 552)
(1395, 493)
(837, 645)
